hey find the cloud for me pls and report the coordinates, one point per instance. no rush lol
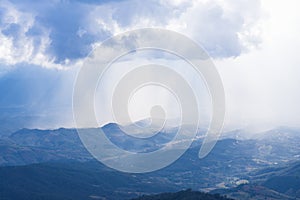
(262, 87)
(69, 41)
(61, 33)
(21, 39)
(44, 34)
(224, 28)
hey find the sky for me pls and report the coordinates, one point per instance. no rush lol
(254, 45)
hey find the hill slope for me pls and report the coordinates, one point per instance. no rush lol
(271, 183)
(183, 195)
(76, 181)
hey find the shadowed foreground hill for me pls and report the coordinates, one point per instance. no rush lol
(74, 181)
(183, 195)
(86, 181)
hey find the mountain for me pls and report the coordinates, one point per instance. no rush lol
(75, 180)
(271, 183)
(92, 180)
(89, 180)
(231, 160)
(285, 180)
(229, 165)
(252, 192)
(28, 146)
(277, 145)
(183, 195)
(226, 164)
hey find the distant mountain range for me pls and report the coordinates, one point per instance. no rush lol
(52, 164)
(28, 146)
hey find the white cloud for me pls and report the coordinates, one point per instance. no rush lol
(25, 37)
(224, 28)
(58, 34)
(262, 86)
(16, 44)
